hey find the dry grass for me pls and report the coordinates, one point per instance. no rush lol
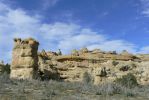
(53, 90)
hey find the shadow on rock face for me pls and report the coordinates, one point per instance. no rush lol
(48, 75)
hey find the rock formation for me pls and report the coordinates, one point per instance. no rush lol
(46, 67)
(24, 59)
(100, 65)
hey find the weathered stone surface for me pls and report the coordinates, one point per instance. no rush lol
(47, 69)
(22, 73)
(24, 59)
(102, 66)
(83, 51)
(93, 63)
(74, 52)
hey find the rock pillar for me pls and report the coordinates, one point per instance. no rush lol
(24, 59)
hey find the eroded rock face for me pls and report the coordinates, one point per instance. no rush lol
(96, 63)
(46, 69)
(100, 65)
(24, 59)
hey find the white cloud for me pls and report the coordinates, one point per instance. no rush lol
(85, 38)
(48, 3)
(113, 45)
(66, 36)
(59, 30)
(145, 7)
(144, 50)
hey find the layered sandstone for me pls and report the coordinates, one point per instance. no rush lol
(24, 59)
(96, 62)
(72, 67)
(100, 65)
(46, 67)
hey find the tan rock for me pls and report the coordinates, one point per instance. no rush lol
(25, 63)
(83, 50)
(97, 80)
(74, 52)
(22, 73)
(24, 59)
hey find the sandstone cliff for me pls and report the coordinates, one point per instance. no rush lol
(24, 59)
(100, 65)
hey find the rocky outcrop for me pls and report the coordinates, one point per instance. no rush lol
(46, 69)
(24, 59)
(100, 65)
(96, 63)
(74, 52)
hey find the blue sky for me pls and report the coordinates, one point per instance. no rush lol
(72, 24)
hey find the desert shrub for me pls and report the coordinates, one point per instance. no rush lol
(113, 89)
(129, 94)
(128, 81)
(103, 72)
(133, 65)
(6, 69)
(108, 89)
(115, 62)
(87, 78)
(124, 68)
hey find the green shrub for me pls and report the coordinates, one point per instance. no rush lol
(128, 81)
(124, 68)
(103, 72)
(129, 94)
(6, 69)
(87, 78)
(115, 62)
